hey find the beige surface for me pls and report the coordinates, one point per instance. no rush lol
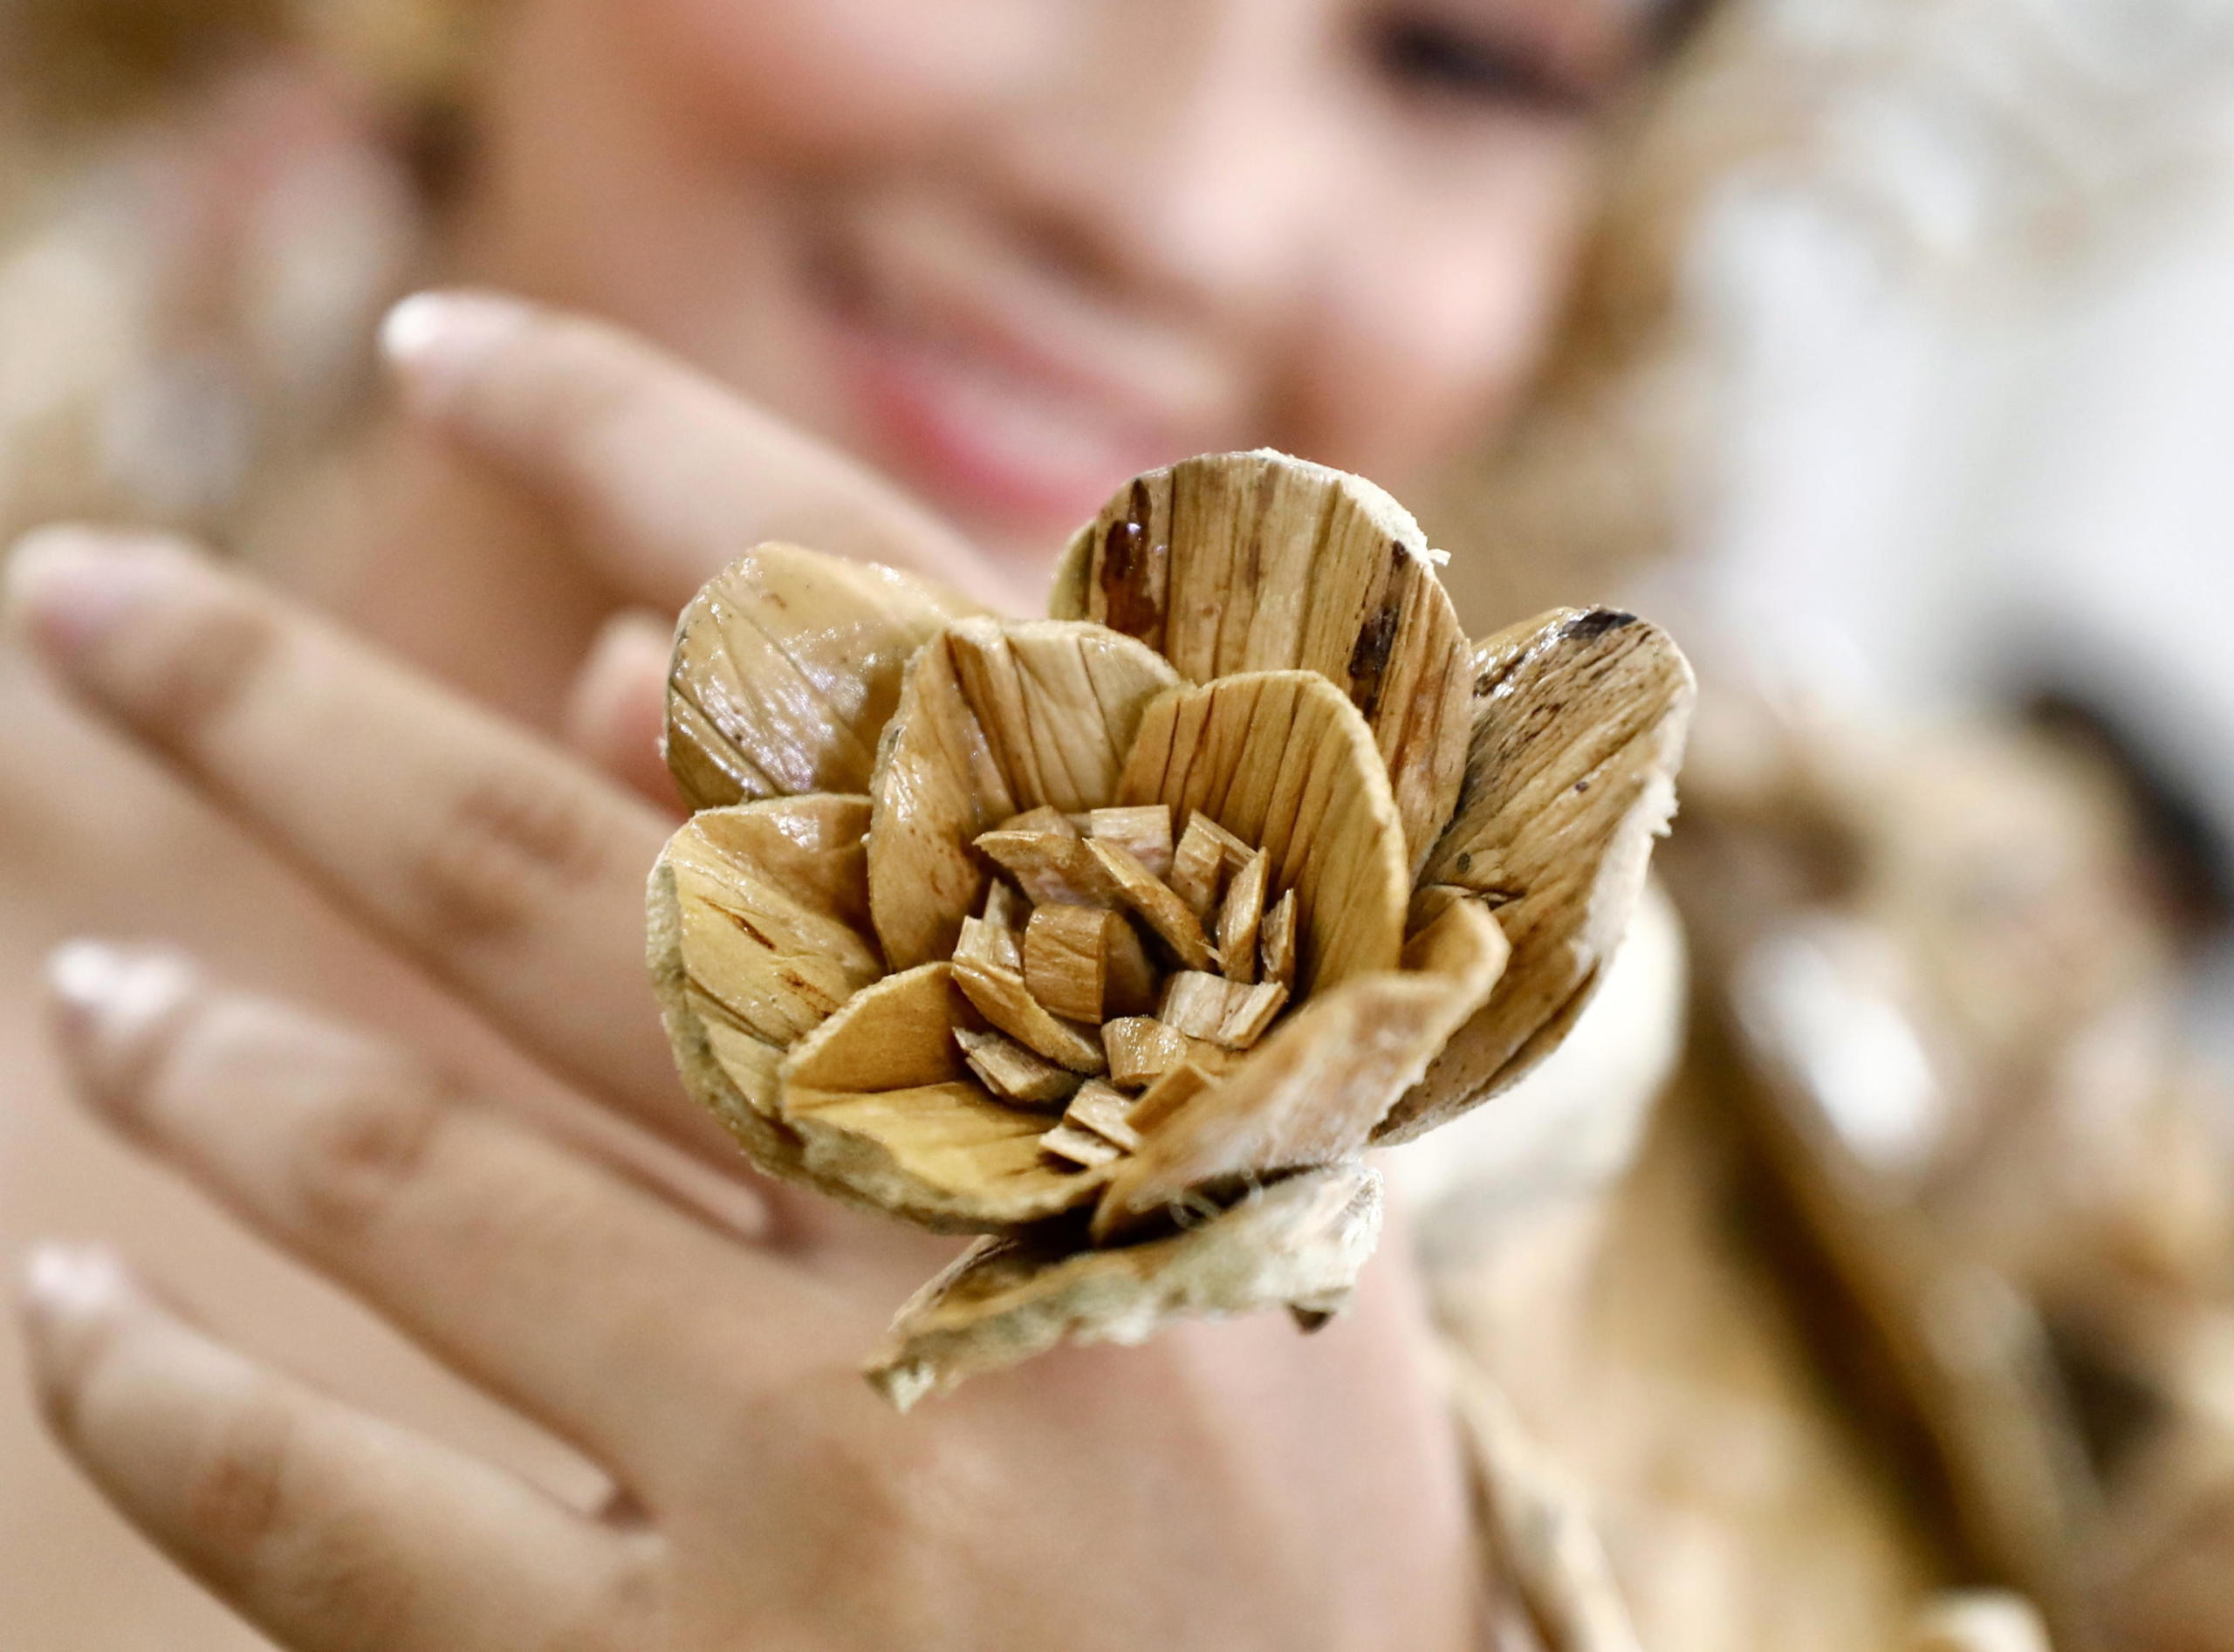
(1646, 1352)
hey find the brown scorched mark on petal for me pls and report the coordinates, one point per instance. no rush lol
(1369, 660)
(1135, 574)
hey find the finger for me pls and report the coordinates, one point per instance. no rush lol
(494, 1247)
(324, 1527)
(618, 708)
(495, 859)
(668, 476)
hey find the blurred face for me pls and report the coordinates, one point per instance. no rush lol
(1013, 251)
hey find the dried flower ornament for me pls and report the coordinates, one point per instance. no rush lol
(1118, 937)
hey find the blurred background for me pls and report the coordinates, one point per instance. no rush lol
(1905, 403)
(1972, 342)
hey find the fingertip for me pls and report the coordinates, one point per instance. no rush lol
(69, 585)
(72, 1295)
(617, 709)
(111, 1006)
(435, 343)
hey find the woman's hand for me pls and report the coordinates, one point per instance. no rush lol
(1227, 1486)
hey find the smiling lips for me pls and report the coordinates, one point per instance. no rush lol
(1002, 397)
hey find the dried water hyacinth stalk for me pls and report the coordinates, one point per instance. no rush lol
(1118, 937)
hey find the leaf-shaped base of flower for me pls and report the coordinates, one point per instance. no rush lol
(1299, 1243)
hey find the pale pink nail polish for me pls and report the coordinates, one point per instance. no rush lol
(111, 1002)
(71, 587)
(75, 1281)
(435, 341)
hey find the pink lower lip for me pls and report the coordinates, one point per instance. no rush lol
(919, 430)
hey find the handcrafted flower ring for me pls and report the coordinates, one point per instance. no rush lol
(1118, 937)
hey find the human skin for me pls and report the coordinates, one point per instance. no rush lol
(1228, 1486)
(708, 196)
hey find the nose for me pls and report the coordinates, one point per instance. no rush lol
(1182, 152)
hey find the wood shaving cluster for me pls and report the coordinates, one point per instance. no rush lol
(1120, 966)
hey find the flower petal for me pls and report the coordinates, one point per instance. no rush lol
(1578, 726)
(994, 720)
(1283, 760)
(1257, 562)
(887, 1110)
(757, 931)
(1299, 1242)
(787, 667)
(1313, 1092)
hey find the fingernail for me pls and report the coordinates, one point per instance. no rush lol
(75, 1281)
(71, 587)
(436, 341)
(72, 1294)
(112, 1001)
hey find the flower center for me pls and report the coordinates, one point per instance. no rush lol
(1120, 971)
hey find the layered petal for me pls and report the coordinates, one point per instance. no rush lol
(1314, 1092)
(1579, 727)
(994, 720)
(758, 932)
(787, 667)
(1283, 761)
(1257, 562)
(1299, 1242)
(887, 1108)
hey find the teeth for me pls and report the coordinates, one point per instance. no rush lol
(1020, 424)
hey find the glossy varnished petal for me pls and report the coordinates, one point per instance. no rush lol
(786, 667)
(758, 933)
(886, 1107)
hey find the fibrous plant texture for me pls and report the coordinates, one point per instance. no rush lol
(1118, 938)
